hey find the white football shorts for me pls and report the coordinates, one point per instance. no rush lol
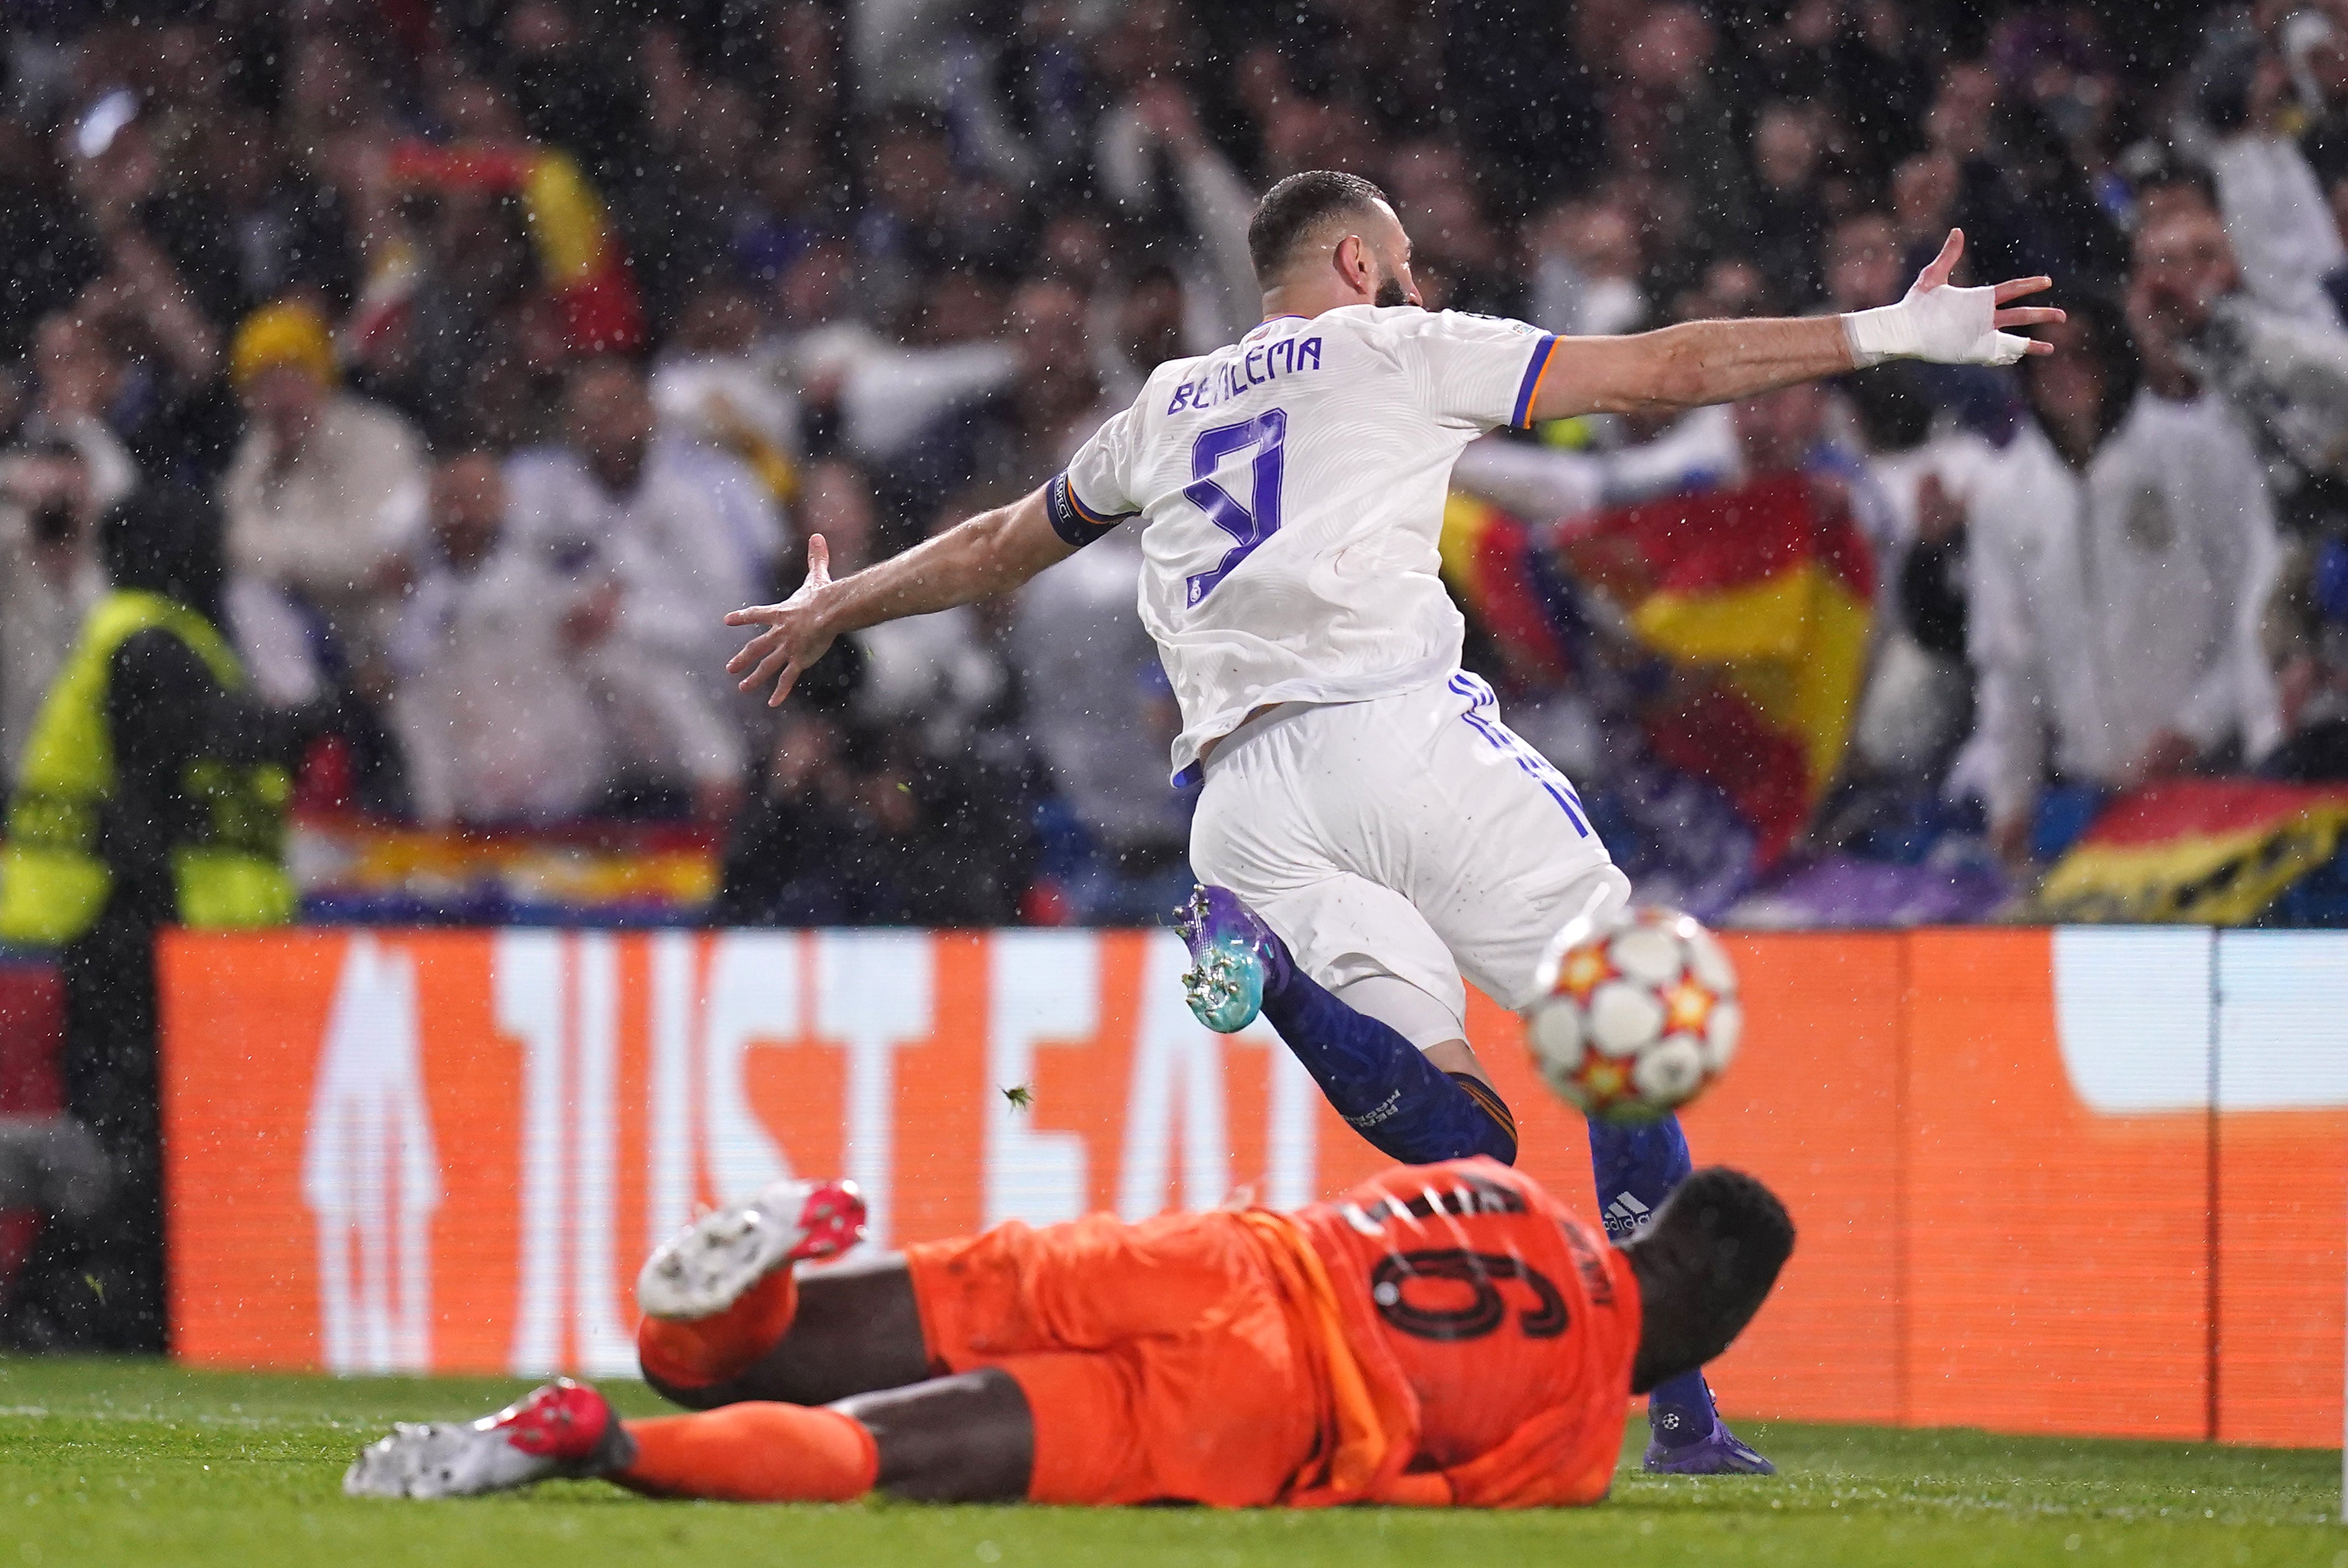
(1410, 839)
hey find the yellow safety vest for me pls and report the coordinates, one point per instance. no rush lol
(53, 881)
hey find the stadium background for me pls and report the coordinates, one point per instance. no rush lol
(873, 265)
(2078, 1182)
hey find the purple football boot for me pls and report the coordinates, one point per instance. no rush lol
(1718, 1453)
(1234, 958)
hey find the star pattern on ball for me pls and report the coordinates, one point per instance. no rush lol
(1584, 971)
(1604, 1080)
(1687, 1006)
(1638, 1014)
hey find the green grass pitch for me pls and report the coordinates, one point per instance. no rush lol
(140, 1462)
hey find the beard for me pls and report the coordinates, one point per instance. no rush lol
(1390, 295)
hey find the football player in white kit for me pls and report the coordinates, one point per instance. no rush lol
(1372, 831)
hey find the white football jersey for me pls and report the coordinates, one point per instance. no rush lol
(1291, 489)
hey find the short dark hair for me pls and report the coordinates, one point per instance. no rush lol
(1294, 208)
(1704, 1267)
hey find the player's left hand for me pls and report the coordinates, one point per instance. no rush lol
(796, 636)
(1949, 325)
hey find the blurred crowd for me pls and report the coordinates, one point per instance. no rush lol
(517, 340)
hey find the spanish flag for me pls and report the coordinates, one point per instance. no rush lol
(1511, 588)
(2197, 851)
(1757, 601)
(579, 252)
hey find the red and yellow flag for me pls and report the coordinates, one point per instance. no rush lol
(1509, 586)
(1757, 600)
(2198, 851)
(578, 250)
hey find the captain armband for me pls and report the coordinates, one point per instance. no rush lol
(1071, 519)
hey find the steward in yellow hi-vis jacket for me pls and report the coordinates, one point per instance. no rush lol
(153, 793)
(227, 866)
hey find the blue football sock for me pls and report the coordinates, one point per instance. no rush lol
(1636, 1168)
(1383, 1085)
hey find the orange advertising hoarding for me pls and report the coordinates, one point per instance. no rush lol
(2068, 1181)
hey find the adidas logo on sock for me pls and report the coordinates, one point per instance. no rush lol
(1626, 1214)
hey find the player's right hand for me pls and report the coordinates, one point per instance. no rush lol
(795, 635)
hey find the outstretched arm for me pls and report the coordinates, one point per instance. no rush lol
(991, 553)
(1697, 363)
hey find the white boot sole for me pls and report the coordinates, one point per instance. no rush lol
(443, 1459)
(708, 1266)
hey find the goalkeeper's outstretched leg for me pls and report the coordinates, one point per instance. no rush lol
(1443, 1334)
(811, 1391)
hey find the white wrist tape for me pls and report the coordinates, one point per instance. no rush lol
(1946, 325)
(1881, 334)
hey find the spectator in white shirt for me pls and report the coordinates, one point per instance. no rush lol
(685, 534)
(2202, 330)
(2273, 206)
(1154, 163)
(318, 467)
(494, 710)
(719, 388)
(518, 700)
(2122, 552)
(52, 492)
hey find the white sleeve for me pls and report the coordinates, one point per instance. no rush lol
(1473, 371)
(888, 398)
(113, 472)
(1699, 451)
(1090, 496)
(753, 525)
(2280, 226)
(1537, 482)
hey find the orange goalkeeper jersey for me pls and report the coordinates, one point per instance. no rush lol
(1479, 1339)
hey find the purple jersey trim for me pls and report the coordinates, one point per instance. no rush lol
(1534, 367)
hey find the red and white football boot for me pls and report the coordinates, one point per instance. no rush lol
(706, 1266)
(565, 1430)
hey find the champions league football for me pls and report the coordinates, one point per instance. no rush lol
(1637, 1015)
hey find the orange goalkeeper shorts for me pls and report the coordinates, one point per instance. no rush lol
(1159, 1361)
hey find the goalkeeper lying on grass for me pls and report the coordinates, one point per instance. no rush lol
(1441, 1335)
